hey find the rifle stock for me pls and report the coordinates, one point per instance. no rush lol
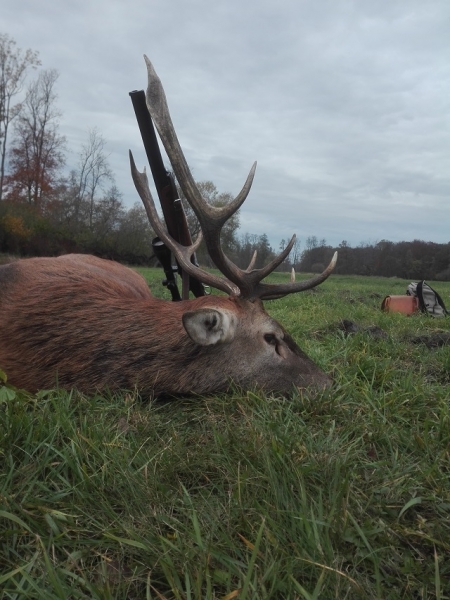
(164, 256)
(172, 208)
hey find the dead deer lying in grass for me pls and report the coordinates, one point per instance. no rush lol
(92, 324)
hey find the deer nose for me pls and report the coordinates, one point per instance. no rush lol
(319, 384)
(325, 383)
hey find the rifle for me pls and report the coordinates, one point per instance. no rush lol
(172, 208)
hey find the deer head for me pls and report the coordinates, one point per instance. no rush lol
(245, 286)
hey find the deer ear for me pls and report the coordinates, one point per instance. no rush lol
(208, 326)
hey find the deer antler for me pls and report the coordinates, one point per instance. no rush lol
(236, 281)
(182, 253)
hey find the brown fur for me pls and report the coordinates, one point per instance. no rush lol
(93, 324)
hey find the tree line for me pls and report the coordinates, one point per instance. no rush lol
(409, 260)
(44, 211)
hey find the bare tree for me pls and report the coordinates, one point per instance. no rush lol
(311, 242)
(14, 64)
(296, 252)
(37, 150)
(94, 171)
(108, 212)
(134, 236)
(293, 257)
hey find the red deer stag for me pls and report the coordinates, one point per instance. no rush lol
(92, 324)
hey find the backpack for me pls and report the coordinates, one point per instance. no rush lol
(429, 300)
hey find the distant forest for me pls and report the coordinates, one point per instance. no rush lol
(125, 236)
(408, 260)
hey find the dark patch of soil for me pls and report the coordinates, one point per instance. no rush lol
(350, 328)
(347, 296)
(434, 340)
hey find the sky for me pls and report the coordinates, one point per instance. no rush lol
(345, 104)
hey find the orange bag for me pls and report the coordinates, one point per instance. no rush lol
(406, 305)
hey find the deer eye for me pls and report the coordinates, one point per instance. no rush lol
(270, 338)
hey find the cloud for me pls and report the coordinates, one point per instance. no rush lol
(344, 104)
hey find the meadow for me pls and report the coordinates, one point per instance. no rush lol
(342, 495)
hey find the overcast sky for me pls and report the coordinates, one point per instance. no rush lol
(344, 104)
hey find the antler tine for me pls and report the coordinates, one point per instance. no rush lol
(274, 263)
(251, 264)
(182, 253)
(269, 291)
(249, 280)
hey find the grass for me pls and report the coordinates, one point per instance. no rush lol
(241, 496)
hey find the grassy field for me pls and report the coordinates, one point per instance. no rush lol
(243, 496)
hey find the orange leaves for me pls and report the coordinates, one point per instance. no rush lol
(15, 226)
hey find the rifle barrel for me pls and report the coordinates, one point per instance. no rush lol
(172, 208)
